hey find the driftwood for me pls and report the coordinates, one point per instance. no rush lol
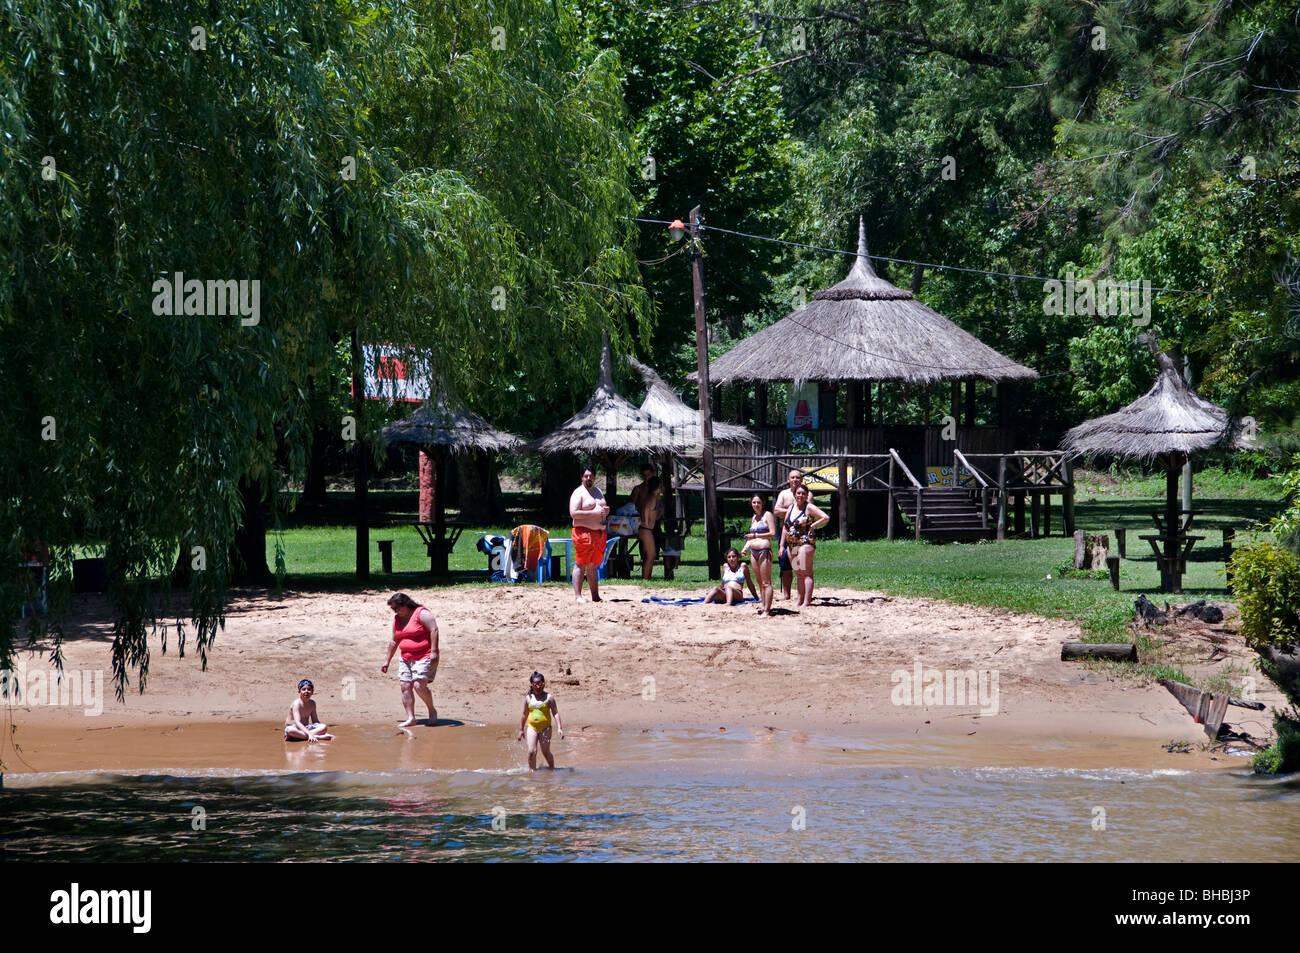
(1203, 611)
(1206, 707)
(1147, 611)
(1115, 651)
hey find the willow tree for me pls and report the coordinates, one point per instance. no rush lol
(425, 173)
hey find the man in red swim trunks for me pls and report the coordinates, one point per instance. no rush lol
(589, 510)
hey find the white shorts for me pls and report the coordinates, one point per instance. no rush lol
(310, 726)
(417, 671)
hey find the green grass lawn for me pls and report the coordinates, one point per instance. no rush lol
(1013, 574)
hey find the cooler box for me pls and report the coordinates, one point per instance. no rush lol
(623, 525)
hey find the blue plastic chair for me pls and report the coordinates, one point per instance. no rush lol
(603, 570)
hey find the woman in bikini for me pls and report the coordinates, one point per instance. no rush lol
(758, 542)
(735, 577)
(650, 509)
(799, 538)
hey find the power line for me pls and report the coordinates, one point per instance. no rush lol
(900, 261)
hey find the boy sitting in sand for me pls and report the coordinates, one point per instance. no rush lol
(735, 576)
(301, 723)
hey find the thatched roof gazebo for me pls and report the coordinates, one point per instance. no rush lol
(1164, 425)
(610, 427)
(440, 430)
(864, 329)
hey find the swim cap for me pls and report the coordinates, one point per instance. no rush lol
(307, 682)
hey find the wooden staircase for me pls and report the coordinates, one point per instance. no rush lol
(948, 514)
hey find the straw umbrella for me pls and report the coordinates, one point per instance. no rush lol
(610, 427)
(440, 429)
(664, 405)
(1164, 425)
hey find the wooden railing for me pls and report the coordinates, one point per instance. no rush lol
(1035, 473)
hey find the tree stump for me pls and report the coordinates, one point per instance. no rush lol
(1090, 550)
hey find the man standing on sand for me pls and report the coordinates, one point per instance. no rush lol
(589, 510)
(785, 500)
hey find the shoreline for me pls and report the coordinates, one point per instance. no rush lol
(620, 669)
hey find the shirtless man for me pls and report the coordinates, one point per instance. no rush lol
(589, 510)
(785, 500)
(302, 724)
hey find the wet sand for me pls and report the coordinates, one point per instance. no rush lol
(786, 687)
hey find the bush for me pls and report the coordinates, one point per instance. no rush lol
(1283, 756)
(1266, 584)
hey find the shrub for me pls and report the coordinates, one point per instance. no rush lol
(1283, 756)
(1266, 584)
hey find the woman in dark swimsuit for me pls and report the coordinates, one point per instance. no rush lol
(799, 538)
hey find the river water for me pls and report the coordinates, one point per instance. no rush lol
(673, 795)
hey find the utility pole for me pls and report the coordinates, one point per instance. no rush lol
(712, 516)
(359, 448)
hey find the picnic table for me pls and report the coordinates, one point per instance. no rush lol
(1178, 546)
(439, 540)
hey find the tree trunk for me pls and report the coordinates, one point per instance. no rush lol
(248, 560)
(313, 488)
(561, 474)
(480, 488)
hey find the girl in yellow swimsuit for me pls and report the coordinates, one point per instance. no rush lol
(539, 708)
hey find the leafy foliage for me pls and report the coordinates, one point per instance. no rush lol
(483, 150)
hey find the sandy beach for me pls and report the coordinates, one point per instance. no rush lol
(844, 668)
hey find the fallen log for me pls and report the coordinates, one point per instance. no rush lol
(1255, 706)
(1115, 651)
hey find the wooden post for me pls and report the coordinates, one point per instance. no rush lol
(956, 401)
(1173, 578)
(1121, 543)
(1002, 497)
(853, 411)
(1067, 498)
(712, 514)
(1047, 514)
(1020, 512)
(1112, 563)
(1080, 550)
(920, 511)
(843, 506)
(970, 402)
(889, 504)
(1229, 537)
(866, 404)
(1034, 505)
(760, 397)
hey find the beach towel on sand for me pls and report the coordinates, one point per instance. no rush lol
(688, 601)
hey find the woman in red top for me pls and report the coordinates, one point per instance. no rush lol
(415, 633)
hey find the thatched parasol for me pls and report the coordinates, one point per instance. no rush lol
(458, 430)
(1164, 425)
(1170, 418)
(440, 430)
(610, 427)
(665, 406)
(864, 329)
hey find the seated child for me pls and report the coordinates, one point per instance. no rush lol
(735, 576)
(301, 723)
